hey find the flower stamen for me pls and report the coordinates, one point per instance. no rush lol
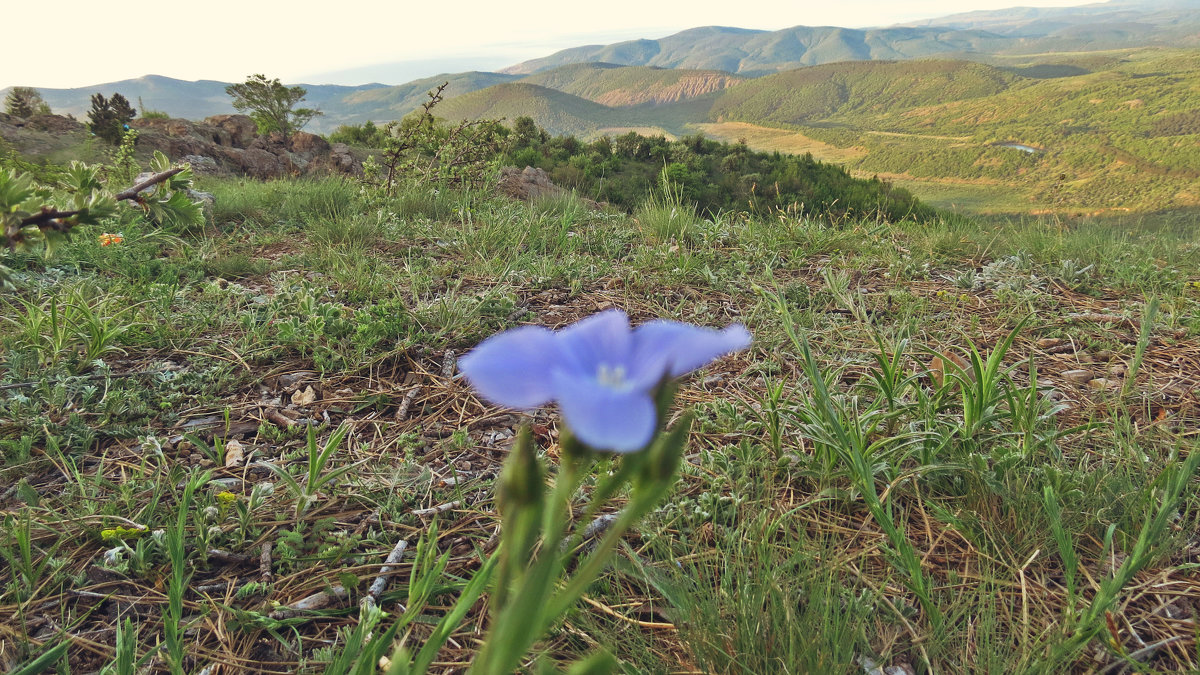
(610, 376)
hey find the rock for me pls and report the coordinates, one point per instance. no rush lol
(526, 184)
(530, 183)
(234, 454)
(303, 398)
(207, 202)
(259, 163)
(219, 144)
(55, 124)
(343, 161)
(1078, 376)
(240, 129)
(292, 379)
(30, 137)
(306, 143)
(202, 165)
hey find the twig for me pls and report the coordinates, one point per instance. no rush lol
(228, 557)
(279, 419)
(617, 615)
(386, 571)
(46, 215)
(264, 564)
(440, 508)
(402, 410)
(318, 600)
(49, 216)
(132, 193)
(1141, 654)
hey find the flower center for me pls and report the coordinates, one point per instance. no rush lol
(610, 376)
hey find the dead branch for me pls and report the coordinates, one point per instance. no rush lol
(132, 193)
(387, 570)
(52, 217)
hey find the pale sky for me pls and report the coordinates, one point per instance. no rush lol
(75, 43)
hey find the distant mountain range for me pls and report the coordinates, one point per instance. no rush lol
(682, 73)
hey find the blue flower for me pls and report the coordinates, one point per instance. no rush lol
(602, 374)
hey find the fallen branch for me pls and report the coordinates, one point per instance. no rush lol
(386, 571)
(50, 217)
(132, 193)
(440, 508)
(47, 216)
(1140, 655)
(264, 564)
(318, 600)
(402, 410)
(279, 419)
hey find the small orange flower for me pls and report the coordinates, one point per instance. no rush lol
(107, 239)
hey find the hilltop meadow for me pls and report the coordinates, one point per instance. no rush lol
(816, 350)
(955, 445)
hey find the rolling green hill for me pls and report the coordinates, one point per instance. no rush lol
(1125, 137)
(1094, 26)
(555, 111)
(1020, 30)
(392, 103)
(753, 53)
(871, 88)
(617, 86)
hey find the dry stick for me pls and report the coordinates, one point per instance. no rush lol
(386, 571)
(440, 508)
(402, 411)
(318, 600)
(265, 563)
(1118, 666)
(1025, 593)
(278, 418)
(48, 215)
(132, 193)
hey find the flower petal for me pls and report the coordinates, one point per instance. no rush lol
(513, 368)
(605, 418)
(602, 338)
(670, 347)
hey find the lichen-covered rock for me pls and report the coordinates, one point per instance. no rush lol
(227, 144)
(532, 183)
(529, 183)
(240, 129)
(201, 164)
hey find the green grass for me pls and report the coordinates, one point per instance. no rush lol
(837, 502)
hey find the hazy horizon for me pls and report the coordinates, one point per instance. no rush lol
(376, 41)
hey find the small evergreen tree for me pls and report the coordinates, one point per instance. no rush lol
(271, 105)
(25, 102)
(109, 117)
